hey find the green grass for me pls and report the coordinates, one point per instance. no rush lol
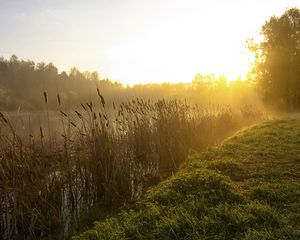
(248, 188)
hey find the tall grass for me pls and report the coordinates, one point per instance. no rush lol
(103, 159)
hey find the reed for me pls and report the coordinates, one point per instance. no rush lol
(103, 160)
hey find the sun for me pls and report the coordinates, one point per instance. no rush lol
(175, 58)
(154, 56)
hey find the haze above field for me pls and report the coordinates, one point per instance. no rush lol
(137, 41)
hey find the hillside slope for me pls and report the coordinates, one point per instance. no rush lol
(248, 188)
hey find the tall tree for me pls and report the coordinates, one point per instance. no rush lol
(277, 65)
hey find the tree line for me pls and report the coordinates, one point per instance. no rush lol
(23, 84)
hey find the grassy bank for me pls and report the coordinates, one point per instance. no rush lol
(248, 188)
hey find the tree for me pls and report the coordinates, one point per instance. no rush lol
(277, 59)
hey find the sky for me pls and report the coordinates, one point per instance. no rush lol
(137, 41)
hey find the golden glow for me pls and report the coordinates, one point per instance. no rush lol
(154, 56)
(199, 38)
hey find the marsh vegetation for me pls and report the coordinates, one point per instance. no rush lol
(76, 148)
(102, 160)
